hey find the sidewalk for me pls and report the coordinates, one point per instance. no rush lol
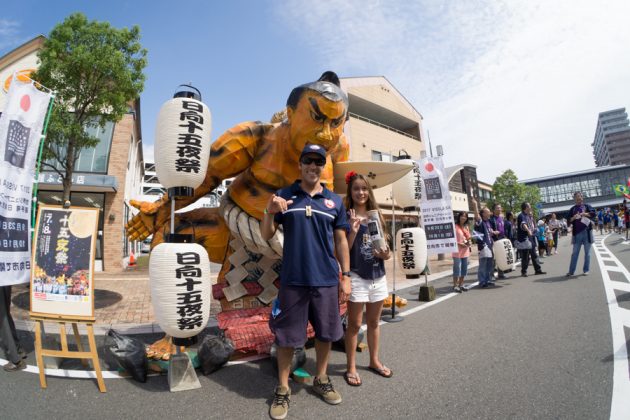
(123, 300)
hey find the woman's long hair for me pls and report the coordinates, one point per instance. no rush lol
(459, 216)
(371, 203)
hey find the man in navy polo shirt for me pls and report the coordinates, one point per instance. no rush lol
(314, 223)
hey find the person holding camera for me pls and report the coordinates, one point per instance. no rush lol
(581, 217)
(367, 274)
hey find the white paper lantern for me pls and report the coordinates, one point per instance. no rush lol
(504, 254)
(408, 189)
(182, 143)
(411, 250)
(180, 288)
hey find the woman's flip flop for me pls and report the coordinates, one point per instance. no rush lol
(382, 371)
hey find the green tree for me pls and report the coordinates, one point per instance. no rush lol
(508, 191)
(511, 194)
(96, 71)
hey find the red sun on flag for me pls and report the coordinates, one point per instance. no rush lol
(25, 103)
(429, 167)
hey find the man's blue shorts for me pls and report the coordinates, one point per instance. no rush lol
(300, 304)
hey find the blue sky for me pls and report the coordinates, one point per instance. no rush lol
(501, 84)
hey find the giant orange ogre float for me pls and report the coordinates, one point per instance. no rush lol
(263, 157)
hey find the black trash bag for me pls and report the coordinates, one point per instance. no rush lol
(299, 357)
(214, 352)
(341, 344)
(130, 354)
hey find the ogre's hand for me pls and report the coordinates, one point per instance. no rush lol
(151, 217)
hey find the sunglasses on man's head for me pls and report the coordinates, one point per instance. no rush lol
(308, 160)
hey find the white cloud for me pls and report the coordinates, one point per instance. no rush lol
(9, 33)
(513, 84)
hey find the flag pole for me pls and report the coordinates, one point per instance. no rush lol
(40, 151)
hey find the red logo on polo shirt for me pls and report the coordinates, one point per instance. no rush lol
(329, 203)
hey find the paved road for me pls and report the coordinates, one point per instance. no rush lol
(535, 347)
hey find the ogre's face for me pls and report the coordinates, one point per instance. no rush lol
(316, 120)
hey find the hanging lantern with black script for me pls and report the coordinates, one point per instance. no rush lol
(411, 249)
(180, 288)
(182, 142)
(407, 190)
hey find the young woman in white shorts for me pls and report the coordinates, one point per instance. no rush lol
(367, 272)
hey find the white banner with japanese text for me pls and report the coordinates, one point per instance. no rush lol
(435, 208)
(21, 126)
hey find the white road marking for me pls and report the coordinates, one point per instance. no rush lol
(424, 306)
(112, 374)
(77, 374)
(619, 317)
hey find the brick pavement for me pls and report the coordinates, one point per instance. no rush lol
(125, 298)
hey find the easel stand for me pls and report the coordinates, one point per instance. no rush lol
(65, 353)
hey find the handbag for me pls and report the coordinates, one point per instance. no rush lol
(526, 244)
(485, 252)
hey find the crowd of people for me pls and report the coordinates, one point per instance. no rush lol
(531, 239)
(614, 219)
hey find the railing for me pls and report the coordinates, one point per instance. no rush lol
(387, 127)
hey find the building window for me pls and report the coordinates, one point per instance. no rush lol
(94, 159)
(381, 157)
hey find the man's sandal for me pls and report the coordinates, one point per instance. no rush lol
(352, 379)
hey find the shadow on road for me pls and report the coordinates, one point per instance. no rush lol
(617, 242)
(611, 357)
(102, 299)
(556, 279)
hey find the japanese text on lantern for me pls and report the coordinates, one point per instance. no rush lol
(508, 252)
(417, 183)
(189, 302)
(63, 239)
(407, 251)
(189, 141)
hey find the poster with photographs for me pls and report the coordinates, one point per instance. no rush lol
(62, 278)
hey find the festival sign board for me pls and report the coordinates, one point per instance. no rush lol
(436, 209)
(62, 278)
(21, 126)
